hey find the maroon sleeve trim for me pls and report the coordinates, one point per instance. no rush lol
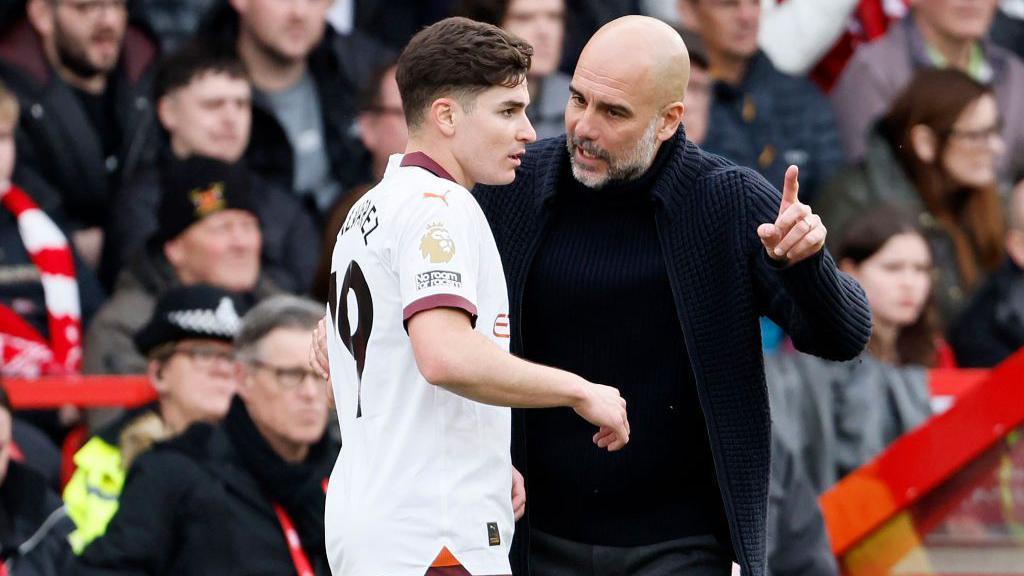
(440, 301)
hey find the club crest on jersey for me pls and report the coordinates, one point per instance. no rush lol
(437, 245)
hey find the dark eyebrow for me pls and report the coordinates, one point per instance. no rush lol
(605, 106)
(512, 104)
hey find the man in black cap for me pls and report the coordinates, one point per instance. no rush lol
(188, 347)
(209, 234)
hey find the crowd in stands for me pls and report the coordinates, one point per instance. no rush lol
(173, 174)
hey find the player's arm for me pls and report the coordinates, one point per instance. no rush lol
(450, 354)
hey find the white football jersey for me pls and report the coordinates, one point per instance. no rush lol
(420, 468)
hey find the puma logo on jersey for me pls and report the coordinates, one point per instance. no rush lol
(437, 245)
(441, 197)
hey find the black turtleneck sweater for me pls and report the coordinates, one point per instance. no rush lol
(598, 303)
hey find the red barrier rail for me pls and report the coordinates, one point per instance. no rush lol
(81, 391)
(924, 458)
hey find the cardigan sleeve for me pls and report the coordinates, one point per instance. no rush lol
(823, 310)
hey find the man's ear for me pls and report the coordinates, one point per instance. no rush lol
(40, 16)
(443, 113)
(167, 113)
(925, 143)
(671, 118)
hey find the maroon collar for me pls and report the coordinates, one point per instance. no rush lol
(421, 160)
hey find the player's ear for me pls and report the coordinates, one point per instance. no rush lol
(442, 114)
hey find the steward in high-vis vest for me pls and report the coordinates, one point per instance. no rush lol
(191, 366)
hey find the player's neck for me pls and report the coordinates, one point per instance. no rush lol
(443, 156)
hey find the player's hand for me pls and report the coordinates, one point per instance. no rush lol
(797, 232)
(518, 494)
(318, 357)
(606, 409)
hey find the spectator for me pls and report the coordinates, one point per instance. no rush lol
(935, 155)
(305, 78)
(44, 288)
(1008, 28)
(187, 344)
(760, 117)
(47, 294)
(542, 24)
(383, 132)
(33, 524)
(936, 34)
(837, 416)
(203, 101)
(82, 73)
(698, 89)
(172, 21)
(209, 234)
(991, 327)
(245, 496)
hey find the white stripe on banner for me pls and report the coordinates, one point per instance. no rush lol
(62, 296)
(38, 232)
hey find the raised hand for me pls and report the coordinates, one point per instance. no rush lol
(797, 232)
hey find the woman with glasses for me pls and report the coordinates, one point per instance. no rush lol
(188, 343)
(935, 155)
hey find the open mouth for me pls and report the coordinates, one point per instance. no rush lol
(517, 158)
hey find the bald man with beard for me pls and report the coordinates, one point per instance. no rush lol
(636, 259)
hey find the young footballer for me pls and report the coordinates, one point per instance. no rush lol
(418, 328)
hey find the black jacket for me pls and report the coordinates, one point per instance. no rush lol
(991, 328)
(341, 66)
(196, 505)
(55, 136)
(33, 526)
(290, 239)
(722, 281)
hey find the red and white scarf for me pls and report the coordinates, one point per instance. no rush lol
(23, 351)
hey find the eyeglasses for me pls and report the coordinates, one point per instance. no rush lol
(978, 137)
(92, 8)
(205, 357)
(289, 378)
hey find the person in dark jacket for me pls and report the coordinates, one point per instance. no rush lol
(33, 524)
(760, 117)
(991, 327)
(187, 344)
(204, 104)
(306, 79)
(635, 258)
(81, 74)
(209, 234)
(245, 497)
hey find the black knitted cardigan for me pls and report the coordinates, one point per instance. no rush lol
(708, 211)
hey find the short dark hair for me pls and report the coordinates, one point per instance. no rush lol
(460, 57)
(192, 61)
